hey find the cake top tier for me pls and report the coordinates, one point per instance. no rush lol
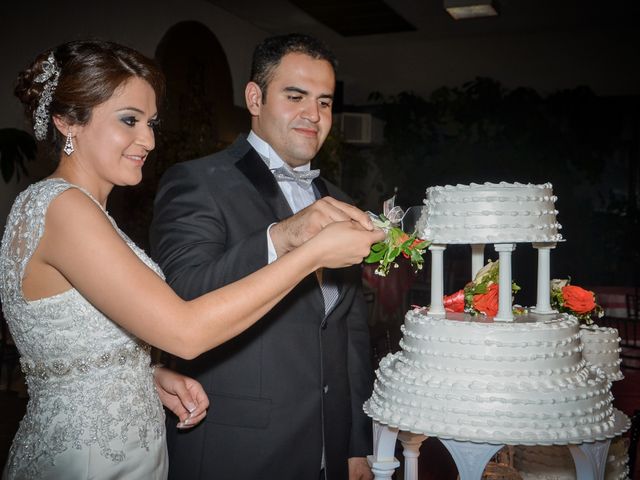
(490, 213)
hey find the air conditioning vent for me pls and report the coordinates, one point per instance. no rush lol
(361, 128)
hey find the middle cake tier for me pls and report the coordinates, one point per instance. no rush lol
(470, 378)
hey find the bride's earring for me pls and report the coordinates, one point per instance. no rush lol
(68, 146)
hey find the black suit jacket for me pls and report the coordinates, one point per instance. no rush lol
(297, 379)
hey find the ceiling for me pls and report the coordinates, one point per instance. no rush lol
(546, 45)
(428, 18)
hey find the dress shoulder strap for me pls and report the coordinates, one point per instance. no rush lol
(23, 231)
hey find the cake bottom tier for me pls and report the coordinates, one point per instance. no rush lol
(488, 409)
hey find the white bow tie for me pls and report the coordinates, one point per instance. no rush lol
(303, 178)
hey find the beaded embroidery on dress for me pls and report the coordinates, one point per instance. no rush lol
(93, 411)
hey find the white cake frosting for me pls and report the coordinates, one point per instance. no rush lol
(489, 213)
(536, 379)
(556, 463)
(601, 349)
(472, 379)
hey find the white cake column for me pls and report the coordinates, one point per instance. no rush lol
(411, 451)
(477, 258)
(505, 308)
(470, 458)
(543, 302)
(383, 462)
(437, 279)
(590, 459)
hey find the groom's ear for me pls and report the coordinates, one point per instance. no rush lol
(253, 97)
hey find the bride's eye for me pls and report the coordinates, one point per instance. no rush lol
(130, 121)
(154, 123)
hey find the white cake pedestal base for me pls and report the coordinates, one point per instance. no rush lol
(471, 458)
(590, 459)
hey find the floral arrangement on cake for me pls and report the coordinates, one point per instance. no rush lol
(481, 295)
(577, 301)
(396, 242)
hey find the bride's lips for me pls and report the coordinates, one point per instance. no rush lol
(136, 158)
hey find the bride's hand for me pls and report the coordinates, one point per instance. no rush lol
(183, 395)
(341, 244)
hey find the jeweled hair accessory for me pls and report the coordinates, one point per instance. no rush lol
(49, 76)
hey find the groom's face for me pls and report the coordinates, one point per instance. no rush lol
(295, 117)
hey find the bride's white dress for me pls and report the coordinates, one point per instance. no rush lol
(93, 412)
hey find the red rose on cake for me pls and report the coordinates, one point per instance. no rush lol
(578, 299)
(481, 295)
(454, 302)
(575, 300)
(487, 303)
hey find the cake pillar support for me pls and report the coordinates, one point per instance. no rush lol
(543, 302)
(477, 258)
(437, 280)
(382, 462)
(470, 458)
(505, 308)
(411, 451)
(590, 459)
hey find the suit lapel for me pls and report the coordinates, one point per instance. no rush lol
(320, 188)
(259, 175)
(257, 172)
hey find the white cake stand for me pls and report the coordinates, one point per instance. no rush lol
(505, 304)
(472, 455)
(471, 458)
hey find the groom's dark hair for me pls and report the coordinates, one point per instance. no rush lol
(268, 55)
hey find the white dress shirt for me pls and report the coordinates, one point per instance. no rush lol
(297, 196)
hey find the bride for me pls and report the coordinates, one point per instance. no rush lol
(83, 302)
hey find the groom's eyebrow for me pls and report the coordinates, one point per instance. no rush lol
(302, 91)
(295, 90)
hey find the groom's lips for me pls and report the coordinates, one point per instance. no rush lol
(307, 132)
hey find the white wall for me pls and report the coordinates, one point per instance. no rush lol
(30, 27)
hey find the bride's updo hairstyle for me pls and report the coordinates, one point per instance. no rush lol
(73, 78)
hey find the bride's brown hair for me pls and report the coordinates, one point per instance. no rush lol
(90, 72)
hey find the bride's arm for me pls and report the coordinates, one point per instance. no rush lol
(82, 245)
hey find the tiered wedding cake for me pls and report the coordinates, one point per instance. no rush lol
(490, 213)
(601, 349)
(519, 380)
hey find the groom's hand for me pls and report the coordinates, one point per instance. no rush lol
(297, 229)
(359, 469)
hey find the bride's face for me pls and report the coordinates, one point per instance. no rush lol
(114, 144)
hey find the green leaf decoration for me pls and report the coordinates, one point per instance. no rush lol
(397, 242)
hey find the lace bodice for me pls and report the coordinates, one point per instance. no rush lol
(89, 381)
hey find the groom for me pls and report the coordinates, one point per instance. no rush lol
(286, 396)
